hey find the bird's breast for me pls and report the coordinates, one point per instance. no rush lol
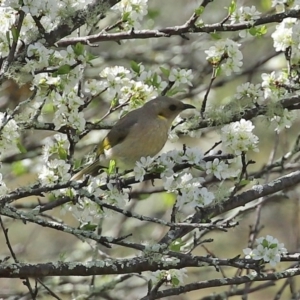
(143, 140)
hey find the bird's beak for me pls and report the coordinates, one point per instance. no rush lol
(188, 106)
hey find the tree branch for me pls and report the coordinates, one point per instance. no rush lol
(187, 28)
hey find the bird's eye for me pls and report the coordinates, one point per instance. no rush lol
(172, 107)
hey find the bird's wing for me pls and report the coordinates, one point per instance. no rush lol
(119, 132)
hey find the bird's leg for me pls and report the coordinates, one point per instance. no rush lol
(119, 182)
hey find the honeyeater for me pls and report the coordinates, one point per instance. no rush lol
(140, 133)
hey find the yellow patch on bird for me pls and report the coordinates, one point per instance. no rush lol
(162, 117)
(105, 145)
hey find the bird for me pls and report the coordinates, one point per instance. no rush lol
(140, 133)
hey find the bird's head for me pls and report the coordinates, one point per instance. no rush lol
(167, 108)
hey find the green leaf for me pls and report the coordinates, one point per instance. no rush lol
(62, 153)
(168, 199)
(199, 11)
(258, 31)
(173, 91)
(165, 71)
(232, 7)
(8, 37)
(64, 69)
(114, 102)
(154, 79)
(78, 49)
(15, 34)
(89, 227)
(244, 182)
(262, 30)
(176, 245)
(90, 57)
(48, 108)
(125, 16)
(272, 246)
(142, 197)
(216, 35)
(218, 71)
(175, 281)
(18, 168)
(153, 13)
(51, 198)
(21, 147)
(265, 243)
(135, 67)
(112, 167)
(150, 284)
(62, 256)
(77, 163)
(199, 168)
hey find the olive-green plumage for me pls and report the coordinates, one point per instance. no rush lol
(142, 132)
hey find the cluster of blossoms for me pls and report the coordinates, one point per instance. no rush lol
(237, 137)
(67, 109)
(9, 132)
(286, 34)
(39, 57)
(49, 13)
(87, 211)
(285, 120)
(55, 171)
(226, 55)
(181, 76)
(272, 89)
(3, 188)
(244, 14)
(268, 249)
(273, 85)
(250, 90)
(63, 95)
(281, 5)
(57, 146)
(132, 11)
(138, 86)
(151, 78)
(188, 188)
(119, 82)
(173, 276)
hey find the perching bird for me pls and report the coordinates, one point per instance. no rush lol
(142, 132)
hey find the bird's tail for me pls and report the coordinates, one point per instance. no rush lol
(93, 169)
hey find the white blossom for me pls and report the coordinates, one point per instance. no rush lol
(245, 14)
(285, 120)
(9, 132)
(193, 156)
(283, 35)
(134, 10)
(3, 188)
(217, 168)
(226, 55)
(237, 137)
(181, 76)
(250, 90)
(54, 171)
(141, 167)
(268, 249)
(115, 196)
